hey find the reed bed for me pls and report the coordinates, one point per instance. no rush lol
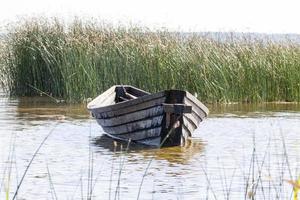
(3, 73)
(81, 59)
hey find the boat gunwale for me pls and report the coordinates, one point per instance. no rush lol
(128, 103)
(122, 112)
(197, 103)
(145, 98)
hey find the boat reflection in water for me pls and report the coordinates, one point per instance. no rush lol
(174, 154)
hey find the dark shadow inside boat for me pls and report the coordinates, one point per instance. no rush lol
(176, 154)
(125, 93)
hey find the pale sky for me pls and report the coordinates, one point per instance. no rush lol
(264, 16)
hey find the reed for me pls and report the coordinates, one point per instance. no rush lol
(81, 59)
(3, 73)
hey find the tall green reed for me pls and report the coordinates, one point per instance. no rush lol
(81, 59)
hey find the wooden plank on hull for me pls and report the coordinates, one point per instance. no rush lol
(131, 117)
(201, 113)
(101, 98)
(190, 121)
(140, 135)
(186, 131)
(142, 106)
(109, 100)
(127, 104)
(193, 118)
(135, 126)
(197, 103)
(177, 108)
(189, 124)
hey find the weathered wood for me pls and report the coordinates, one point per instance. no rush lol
(130, 96)
(194, 118)
(127, 104)
(189, 124)
(123, 95)
(139, 135)
(186, 134)
(172, 126)
(173, 130)
(135, 91)
(197, 104)
(123, 98)
(142, 106)
(101, 98)
(148, 118)
(135, 126)
(195, 108)
(190, 119)
(139, 115)
(177, 108)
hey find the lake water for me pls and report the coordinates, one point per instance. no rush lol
(239, 152)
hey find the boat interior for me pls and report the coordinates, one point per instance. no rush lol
(125, 93)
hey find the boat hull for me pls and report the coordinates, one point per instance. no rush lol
(166, 118)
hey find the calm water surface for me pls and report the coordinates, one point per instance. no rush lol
(238, 151)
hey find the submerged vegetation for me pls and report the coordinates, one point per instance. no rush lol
(82, 59)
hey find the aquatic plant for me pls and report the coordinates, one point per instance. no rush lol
(259, 178)
(81, 59)
(3, 78)
(30, 162)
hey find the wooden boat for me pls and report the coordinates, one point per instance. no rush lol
(166, 118)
